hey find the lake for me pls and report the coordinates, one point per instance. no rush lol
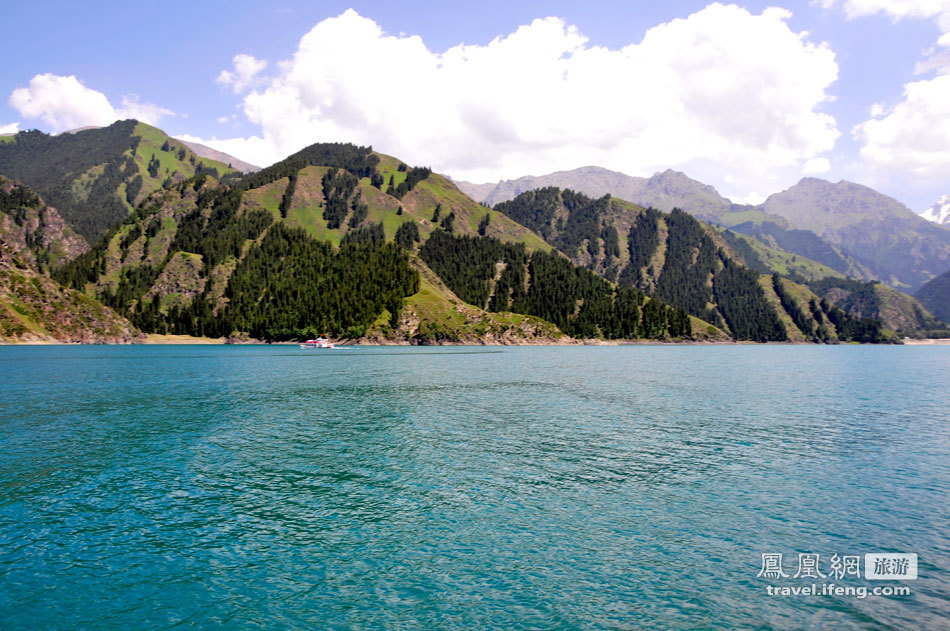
(158, 487)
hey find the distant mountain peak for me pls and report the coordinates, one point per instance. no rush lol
(939, 213)
(204, 151)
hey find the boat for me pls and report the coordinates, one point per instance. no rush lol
(320, 342)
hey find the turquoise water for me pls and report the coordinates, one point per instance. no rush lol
(467, 488)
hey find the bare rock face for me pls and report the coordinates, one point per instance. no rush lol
(203, 151)
(33, 306)
(34, 231)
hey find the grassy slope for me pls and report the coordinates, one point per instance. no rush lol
(33, 307)
(306, 209)
(266, 197)
(900, 311)
(755, 215)
(151, 144)
(420, 203)
(786, 263)
(434, 311)
(436, 314)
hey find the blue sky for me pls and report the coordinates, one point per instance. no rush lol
(736, 96)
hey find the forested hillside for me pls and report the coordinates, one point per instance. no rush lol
(33, 307)
(326, 241)
(304, 247)
(714, 275)
(34, 230)
(95, 177)
(895, 310)
(935, 295)
(339, 239)
(809, 317)
(672, 256)
(490, 274)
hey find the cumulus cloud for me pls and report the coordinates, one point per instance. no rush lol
(11, 128)
(753, 199)
(246, 69)
(145, 112)
(904, 9)
(722, 86)
(254, 150)
(897, 9)
(63, 102)
(913, 137)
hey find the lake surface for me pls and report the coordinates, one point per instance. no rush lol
(468, 488)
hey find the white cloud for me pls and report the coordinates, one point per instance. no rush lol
(753, 199)
(63, 103)
(723, 86)
(914, 136)
(816, 166)
(896, 9)
(145, 112)
(910, 139)
(246, 69)
(255, 150)
(904, 9)
(11, 128)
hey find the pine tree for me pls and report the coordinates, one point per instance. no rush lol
(483, 224)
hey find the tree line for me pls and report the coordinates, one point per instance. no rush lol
(581, 303)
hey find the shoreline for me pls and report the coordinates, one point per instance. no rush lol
(185, 340)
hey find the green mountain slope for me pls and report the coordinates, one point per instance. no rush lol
(935, 296)
(33, 307)
(326, 242)
(769, 260)
(808, 317)
(674, 257)
(895, 310)
(712, 274)
(95, 177)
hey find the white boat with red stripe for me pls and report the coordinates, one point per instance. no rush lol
(320, 342)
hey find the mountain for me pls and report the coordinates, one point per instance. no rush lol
(760, 254)
(895, 310)
(33, 307)
(675, 257)
(898, 246)
(939, 213)
(200, 150)
(477, 192)
(35, 231)
(664, 190)
(935, 295)
(95, 177)
(343, 240)
(339, 239)
(850, 228)
(203, 151)
(670, 189)
(803, 243)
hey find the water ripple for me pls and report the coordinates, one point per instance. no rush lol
(526, 488)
